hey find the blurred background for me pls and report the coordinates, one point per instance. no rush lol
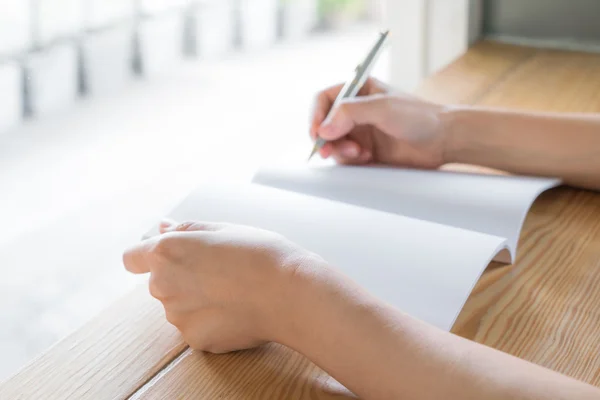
(111, 111)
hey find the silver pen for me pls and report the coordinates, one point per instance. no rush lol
(352, 87)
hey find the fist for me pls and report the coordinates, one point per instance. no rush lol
(225, 287)
(381, 126)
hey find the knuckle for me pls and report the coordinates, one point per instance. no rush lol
(344, 107)
(208, 346)
(155, 292)
(343, 110)
(187, 225)
(156, 288)
(198, 343)
(174, 318)
(166, 246)
(203, 337)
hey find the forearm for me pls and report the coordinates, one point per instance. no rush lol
(564, 146)
(380, 353)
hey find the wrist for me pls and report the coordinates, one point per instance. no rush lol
(456, 136)
(314, 293)
(323, 303)
(306, 283)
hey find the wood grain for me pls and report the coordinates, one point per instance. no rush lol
(269, 372)
(549, 312)
(476, 73)
(550, 81)
(545, 308)
(109, 358)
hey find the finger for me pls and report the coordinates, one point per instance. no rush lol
(137, 259)
(322, 106)
(373, 86)
(345, 150)
(341, 148)
(350, 152)
(367, 110)
(327, 97)
(364, 158)
(325, 151)
(169, 225)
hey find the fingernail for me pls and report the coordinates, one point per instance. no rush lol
(327, 127)
(350, 152)
(167, 223)
(325, 130)
(325, 151)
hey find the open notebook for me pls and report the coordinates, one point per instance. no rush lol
(417, 239)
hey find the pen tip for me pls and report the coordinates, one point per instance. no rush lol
(313, 152)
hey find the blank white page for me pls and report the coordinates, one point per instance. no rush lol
(496, 205)
(425, 269)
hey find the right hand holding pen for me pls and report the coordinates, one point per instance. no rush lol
(380, 127)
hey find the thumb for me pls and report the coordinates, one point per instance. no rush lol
(365, 110)
(169, 225)
(136, 259)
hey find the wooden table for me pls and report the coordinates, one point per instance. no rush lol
(545, 308)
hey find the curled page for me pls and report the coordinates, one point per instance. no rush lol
(492, 204)
(425, 269)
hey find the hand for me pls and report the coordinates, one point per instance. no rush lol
(380, 127)
(225, 287)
